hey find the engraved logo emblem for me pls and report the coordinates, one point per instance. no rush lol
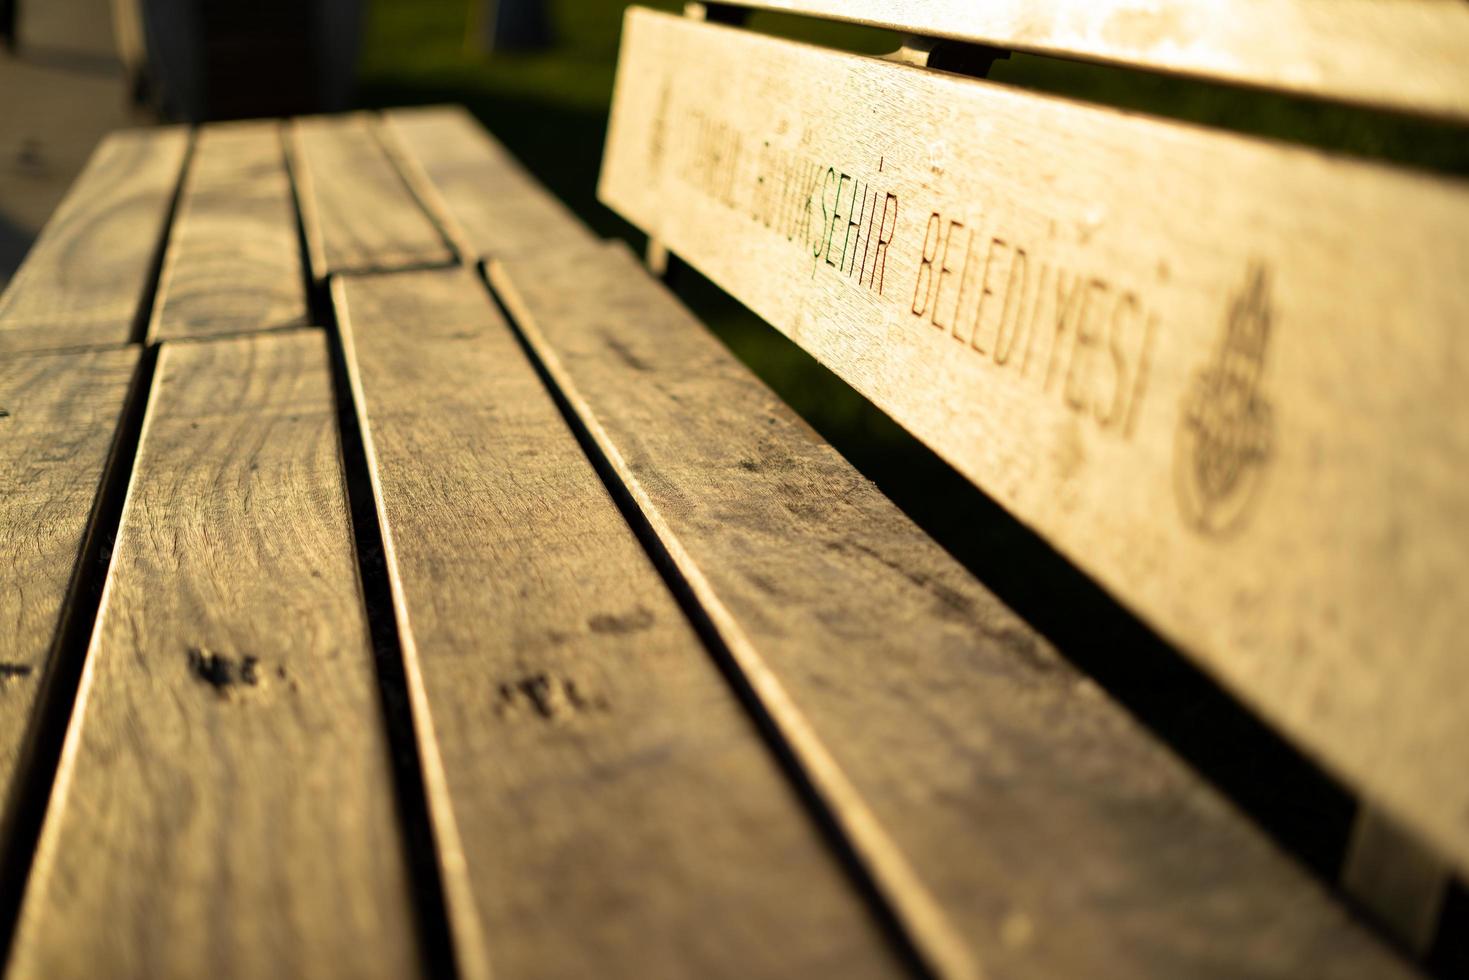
(1226, 427)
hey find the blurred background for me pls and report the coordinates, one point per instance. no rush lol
(539, 75)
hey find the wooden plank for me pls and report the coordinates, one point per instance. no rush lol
(359, 214)
(1405, 55)
(1221, 376)
(234, 263)
(84, 281)
(491, 206)
(224, 801)
(59, 415)
(590, 775)
(1050, 832)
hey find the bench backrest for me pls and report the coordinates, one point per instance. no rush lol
(1405, 55)
(1221, 375)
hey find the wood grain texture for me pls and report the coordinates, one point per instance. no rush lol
(604, 805)
(1222, 376)
(360, 215)
(234, 261)
(224, 802)
(84, 280)
(1407, 55)
(59, 415)
(491, 206)
(1055, 836)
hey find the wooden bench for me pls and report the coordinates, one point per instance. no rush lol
(404, 581)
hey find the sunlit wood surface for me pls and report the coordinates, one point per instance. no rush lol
(85, 279)
(224, 794)
(358, 212)
(401, 581)
(59, 414)
(234, 260)
(551, 659)
(487, 202)
(1176, 354)
(1393, 54)
(961, 753)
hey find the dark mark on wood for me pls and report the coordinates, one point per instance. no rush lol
(289, 681)
(638, 619)
(625, 355)
(548, 696)
(10, 673)
(948, 602)
(222, 672)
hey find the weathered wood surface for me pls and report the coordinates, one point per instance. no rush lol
(224, 803)
(1054, 836)
(234, 261)
(1224, 377)
(1407, 55)
(85, 279)
(606, 807)
(491, 206)
(359, 213)
(59, 415)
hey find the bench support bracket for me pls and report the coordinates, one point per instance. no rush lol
(1398, 880)
(958, 57)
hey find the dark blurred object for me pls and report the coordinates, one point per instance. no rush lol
(511, 25)
(7, 24)
(237, 59)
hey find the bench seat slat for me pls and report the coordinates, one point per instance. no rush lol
(1222, 376)
(84, 280)
(494, 208)
(59, 415)
(1056, 836)
(225, 796)
(1404, 55)
(234, 261)
(610, 808)
(359, 213)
